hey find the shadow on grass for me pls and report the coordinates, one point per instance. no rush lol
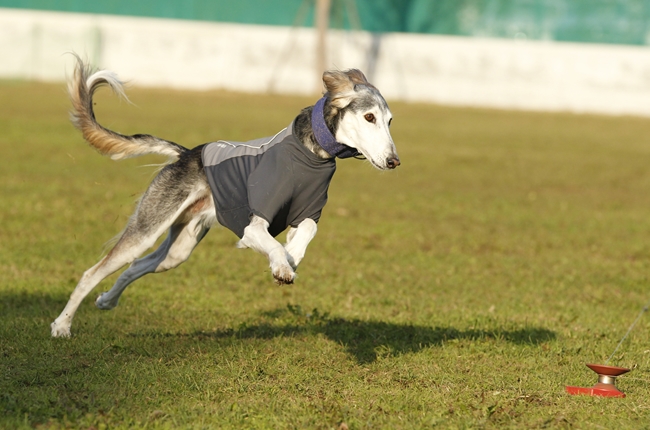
(363, 340)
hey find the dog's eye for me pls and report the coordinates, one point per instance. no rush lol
(370, 118)
(390, 121)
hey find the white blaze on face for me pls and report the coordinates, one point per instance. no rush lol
(365, 126)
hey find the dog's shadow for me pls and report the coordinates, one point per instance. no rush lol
(366, 340)
(363, 340)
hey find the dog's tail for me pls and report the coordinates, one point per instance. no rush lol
(107, 142)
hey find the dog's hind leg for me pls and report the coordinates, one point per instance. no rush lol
(129, 247)
(176, 249)
(166, 201)
(139, 268)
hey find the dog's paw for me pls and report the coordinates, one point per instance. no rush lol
(283, 275)
(60, 330)
(103, 304)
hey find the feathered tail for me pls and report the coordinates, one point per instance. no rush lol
(107, 142)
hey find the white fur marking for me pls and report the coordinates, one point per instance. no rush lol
(257, 237)
(373, 140)
(298, 239)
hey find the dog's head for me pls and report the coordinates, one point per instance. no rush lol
(362, 117)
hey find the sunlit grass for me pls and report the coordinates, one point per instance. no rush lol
(465, 289)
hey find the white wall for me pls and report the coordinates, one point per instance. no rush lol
(610, 79)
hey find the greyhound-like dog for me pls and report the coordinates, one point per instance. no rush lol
(256, 189)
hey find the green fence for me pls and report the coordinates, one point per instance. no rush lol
(595, 21)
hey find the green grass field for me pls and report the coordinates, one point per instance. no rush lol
(463, 290)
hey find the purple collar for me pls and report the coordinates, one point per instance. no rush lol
(324, 136)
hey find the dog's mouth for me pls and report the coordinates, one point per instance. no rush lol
(389, 163)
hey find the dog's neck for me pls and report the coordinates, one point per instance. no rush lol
(305, 132)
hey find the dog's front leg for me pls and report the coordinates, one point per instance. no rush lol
(298, 239)
(257, 237)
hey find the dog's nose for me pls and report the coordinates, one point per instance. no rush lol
(393, 162)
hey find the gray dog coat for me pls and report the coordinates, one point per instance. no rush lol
(276, 178)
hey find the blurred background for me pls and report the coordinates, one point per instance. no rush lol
(550, 55)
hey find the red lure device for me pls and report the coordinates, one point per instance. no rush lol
(605, 387)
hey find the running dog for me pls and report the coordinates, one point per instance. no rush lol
(256, 189)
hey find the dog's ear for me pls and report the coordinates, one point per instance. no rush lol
(339, 88)
(357, 76)
(340, 85)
